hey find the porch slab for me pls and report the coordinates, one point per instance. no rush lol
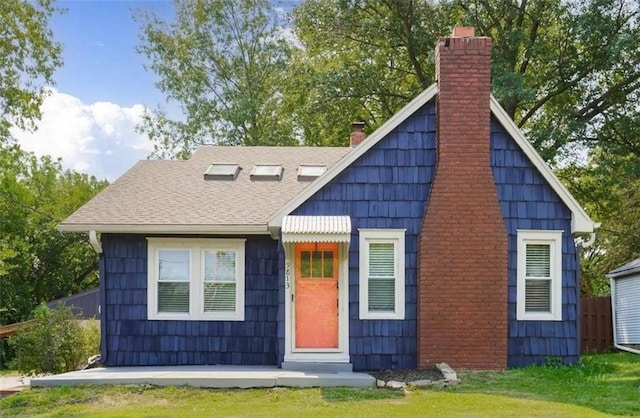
(206, 377)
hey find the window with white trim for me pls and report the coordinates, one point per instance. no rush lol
(539, 275)
(195, 279)
(382, 273)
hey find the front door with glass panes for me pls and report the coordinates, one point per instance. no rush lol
(316, 296)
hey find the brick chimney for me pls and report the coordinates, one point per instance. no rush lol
(357, 134)
(462, 283)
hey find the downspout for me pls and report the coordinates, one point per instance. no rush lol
(97, 246)
(613, 317)
(95, 242)
(581, 244)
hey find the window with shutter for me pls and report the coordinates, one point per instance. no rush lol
(539, 275)
(381, 274)
(196, 279)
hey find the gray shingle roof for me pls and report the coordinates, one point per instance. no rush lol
(632, 267)
(173, 196)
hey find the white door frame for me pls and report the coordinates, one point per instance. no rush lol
(311, 355)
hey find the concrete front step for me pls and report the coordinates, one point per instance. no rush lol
(317, 367)
(206, 377)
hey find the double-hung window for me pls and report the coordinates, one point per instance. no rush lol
(539, 275)
(382, 273)
(195, 279)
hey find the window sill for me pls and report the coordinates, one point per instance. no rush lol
(173, 317)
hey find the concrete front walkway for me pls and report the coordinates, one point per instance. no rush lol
(206, 377)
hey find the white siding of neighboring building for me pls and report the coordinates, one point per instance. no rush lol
(626, 299)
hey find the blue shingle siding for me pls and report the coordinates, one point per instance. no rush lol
(385, 188)
(528, 202)
(132, 340)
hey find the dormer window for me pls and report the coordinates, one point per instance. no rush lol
(266, 172)
(222, 171)
(310, 172)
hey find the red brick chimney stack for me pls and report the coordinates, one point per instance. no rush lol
(357, 134)
(462, 278)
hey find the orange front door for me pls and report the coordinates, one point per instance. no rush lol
(316, 295)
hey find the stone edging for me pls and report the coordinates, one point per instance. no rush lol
(449, 375)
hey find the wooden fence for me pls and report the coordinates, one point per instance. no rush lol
(11, 329)
(596, 328)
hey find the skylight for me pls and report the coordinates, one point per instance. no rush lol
(310, 172)
(266, 172)
(222, 171)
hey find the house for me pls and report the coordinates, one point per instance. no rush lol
(443, 236)
(625, 306)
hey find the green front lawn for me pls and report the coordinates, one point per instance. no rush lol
(608, 383)
(603, 384)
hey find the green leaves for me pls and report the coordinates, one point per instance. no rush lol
(56, 342)
(222, 62)
(38, 263)
(28, 58)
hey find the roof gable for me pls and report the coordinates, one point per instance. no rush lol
(581, 223)
(632, 267)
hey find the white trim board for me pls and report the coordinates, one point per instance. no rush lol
(165, 229)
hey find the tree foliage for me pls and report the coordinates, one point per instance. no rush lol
(56, 342)
(567, 72)
(610, 186)
(222, 62)
(38, 263)
(28, 58)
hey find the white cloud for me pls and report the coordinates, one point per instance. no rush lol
(97, 139)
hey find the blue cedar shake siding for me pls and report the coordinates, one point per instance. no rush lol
(385, 188)
(528, 202)
(132, 340)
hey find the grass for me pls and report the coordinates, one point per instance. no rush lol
(8, 373)
(609, 383)
(602, 385)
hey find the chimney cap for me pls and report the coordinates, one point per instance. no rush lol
(463, 32)
(357, 126)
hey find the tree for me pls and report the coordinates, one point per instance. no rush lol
(28, 58)
(222, 62)
(562, 70)
(37, 262)
(360, 60)
(610, 185)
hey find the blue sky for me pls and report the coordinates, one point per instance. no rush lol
(102, 89)
(101, 62)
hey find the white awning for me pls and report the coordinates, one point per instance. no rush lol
(316, 229)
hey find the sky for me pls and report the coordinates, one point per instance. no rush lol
(102, 89)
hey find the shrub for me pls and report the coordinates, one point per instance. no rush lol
(57, 342)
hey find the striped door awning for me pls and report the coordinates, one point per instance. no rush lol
(316, 229)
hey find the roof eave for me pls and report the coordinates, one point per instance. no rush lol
(624, 273)
(165, 229)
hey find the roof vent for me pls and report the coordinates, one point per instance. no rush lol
(266, 172)
(310, 172)
(222, 171)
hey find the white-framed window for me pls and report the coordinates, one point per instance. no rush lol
(382, 273)
(195, 279)
(539, 275)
